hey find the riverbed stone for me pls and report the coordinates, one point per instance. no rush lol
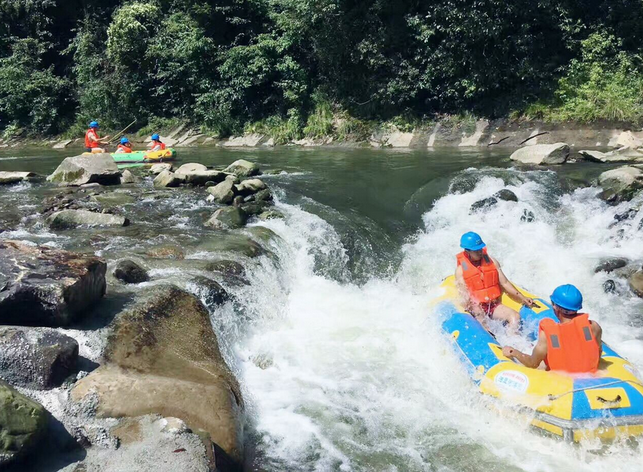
(227, 218)
(250, 186)
(506, 195)
(224, 192)
(87, 169)
(210, 290)
(264, 195)
(15, 177)
(156, 169)
(23, 423)
(243, 168)
(113, 199)
(69, 219)
(163, 357)
(190, 167)
(233, 243)
(542, 154)
(42, 286)
(128, 178)
(130, 272)
(271, 215)
(166, 252)
(36, 358)
(167, 178)
(620, 155)
(254, 208)
(200, 177)
(610, 265)
(227, 268)
(636, 282)
(620, 184)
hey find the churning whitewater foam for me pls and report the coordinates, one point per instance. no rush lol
(346, 376)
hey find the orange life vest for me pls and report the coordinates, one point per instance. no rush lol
(571, 347)
(123, 148)
(482, 281)
(158, 143)
(88, 142)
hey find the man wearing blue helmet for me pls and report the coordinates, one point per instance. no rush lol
(92, 141)
(571, 343)
(481, 283)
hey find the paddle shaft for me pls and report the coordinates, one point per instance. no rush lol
(116, 136)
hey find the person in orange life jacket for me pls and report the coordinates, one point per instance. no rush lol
(481, 283)
(573, 344)
(124, 147)
(92, 140)
(156, 144)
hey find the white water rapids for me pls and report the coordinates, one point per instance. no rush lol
(340, 376)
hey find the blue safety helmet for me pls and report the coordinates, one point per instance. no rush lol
(567, 297)
(156, 137)
(124, 140)
(471, 241)
(94, 124)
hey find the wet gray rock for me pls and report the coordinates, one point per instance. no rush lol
(227, 218)
(128, 178)
(542, 154)
(243, 168)
(263, 196)
(620, 155)
(227, 268)
(166, 252)
(636, 282)
(233, 243)
(191, 167)
(271, 215)
(610, 265)
(167, 179)
(37, 358)
(41, 286)
(506, 195)
(609, 286)
(69, 219)
(225, 191)
(620, 184)
(483, 204)
(113, 199)
(254, 208)
(199, 178)
(626, 215)
(156, 169)
(210, 291)
(527, 216)
(87, 169)
(15, 177)
(23, 423)
(130, 272)
(250, 186)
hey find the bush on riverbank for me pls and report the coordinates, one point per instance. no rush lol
(240, 64)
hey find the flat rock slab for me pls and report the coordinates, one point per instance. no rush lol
(542, 154)
(69, 219)
(15, 177)
(41, 286)
(37, 358)
(87, 169)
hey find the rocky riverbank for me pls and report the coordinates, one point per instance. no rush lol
(148, 383)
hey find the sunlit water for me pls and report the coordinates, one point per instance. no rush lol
(342, 362)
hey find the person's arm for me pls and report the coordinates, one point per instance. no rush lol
(510, 288)
(532, 361)
(461, 286)
(598, 334)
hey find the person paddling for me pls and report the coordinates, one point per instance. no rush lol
(571, 344)
(93, 142)
(124, 147)
(481, 283)
(156, 144)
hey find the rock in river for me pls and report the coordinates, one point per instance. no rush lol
(542, 154)
(163, 357)
(15, 177)
(198, 174)
(621, 183)
(68, 219)
(130, 272)
(167, 179)
(23, 423)
(38, 358)
(636, 282)
(243, 168)
(87, 169)
(227, 218)
(610, 265)
(224, 192)
(40, 286)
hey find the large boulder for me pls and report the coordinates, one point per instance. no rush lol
(224, 192)
(37, 358)
(243, 168)
(636, 282)
(198, 174)
(250, 186)
(130, 272)
(23, 423)
(227, 218)
(168, 178)
(542, 154)
(620, 184)
(69, 219)
(163, 357)
(42, 286)
(621, 155)
(610, 265)
(87, 169)
(15, 177)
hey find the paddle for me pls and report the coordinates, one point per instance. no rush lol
(116, 136)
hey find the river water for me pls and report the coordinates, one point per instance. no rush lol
(340, 357)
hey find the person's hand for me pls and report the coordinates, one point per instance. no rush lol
(528, 302)
(508, 352)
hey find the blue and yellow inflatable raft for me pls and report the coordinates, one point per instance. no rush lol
(604, 405)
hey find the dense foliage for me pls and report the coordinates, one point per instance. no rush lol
(302, 67)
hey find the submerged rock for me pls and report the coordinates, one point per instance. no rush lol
(620, 184)
(483, 204)
(609, 286)
(69, 219)
(87, 169)
(15, 177)
(227, 218)
(38, 358)
(47, 287)
(163, 358)
(636, 282)
(527, 216)
(130, 272)
(542, 154)
(211, 291)
(166, 252)
(243, 168)
(610, 265)
(23, 423)
(506, 195)
(227, 268)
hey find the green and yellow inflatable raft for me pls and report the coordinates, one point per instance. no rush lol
(606, 405)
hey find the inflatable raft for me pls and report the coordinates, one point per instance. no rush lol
(144, 156)
(607, 404)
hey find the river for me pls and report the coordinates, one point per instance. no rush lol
(342, 364)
